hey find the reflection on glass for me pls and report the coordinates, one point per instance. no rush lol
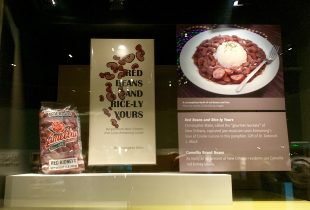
(122, 50)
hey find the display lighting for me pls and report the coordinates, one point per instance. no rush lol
(53, 2)
(237, 4)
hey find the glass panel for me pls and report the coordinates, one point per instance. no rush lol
(45, 56)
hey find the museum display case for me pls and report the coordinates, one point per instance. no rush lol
(131, 104)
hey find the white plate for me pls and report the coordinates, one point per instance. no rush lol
(191, 71)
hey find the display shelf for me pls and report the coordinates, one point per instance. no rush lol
(236, 205)
(117, 190)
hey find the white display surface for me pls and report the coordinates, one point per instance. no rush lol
(117, 190)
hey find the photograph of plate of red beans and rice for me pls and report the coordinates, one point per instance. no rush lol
(218, 60)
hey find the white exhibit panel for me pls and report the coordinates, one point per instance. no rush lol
(122, 102)
(117, 189)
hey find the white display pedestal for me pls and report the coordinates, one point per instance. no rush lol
(117, 190)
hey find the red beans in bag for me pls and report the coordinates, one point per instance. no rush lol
(60, 139)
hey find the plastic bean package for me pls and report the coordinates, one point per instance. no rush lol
(60, 139)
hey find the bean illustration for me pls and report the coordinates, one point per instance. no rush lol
(115, 57)
(114, 123)
(134, 66)
(121, 93)
(140, 55)
(113, 66)
(129, 58)
(106, 112)
(110, 96)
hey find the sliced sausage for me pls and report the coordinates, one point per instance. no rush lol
(237, 78)
(218, 73)
(229, 71)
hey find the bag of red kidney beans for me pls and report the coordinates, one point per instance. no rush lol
(60, 139)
